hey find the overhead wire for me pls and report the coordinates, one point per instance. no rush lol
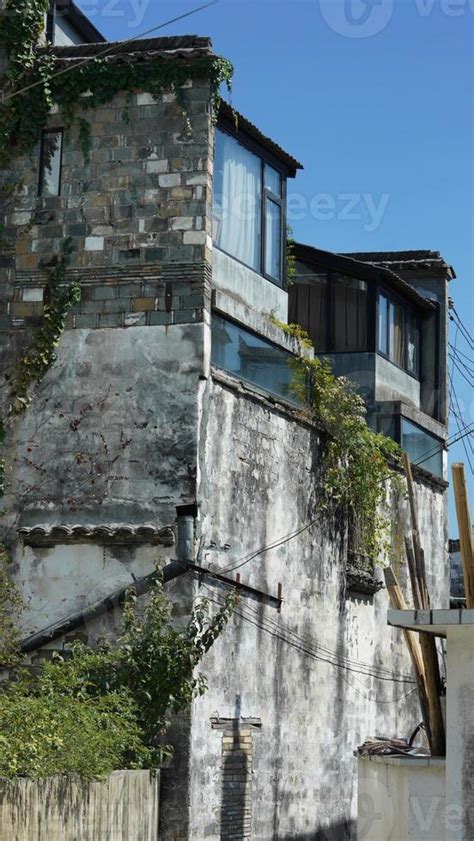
(308, 652)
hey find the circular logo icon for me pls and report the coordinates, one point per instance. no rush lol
(375, 811)
(357, 18)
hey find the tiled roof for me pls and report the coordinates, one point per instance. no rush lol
(241, 123)
(114, 533)
(347, 264)
(184, 46)
(404, 260)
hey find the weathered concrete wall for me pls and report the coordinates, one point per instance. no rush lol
(402, 799)
(124, 807)
(248, 287)
(301, 681)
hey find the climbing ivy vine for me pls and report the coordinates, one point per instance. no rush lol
(34, 73)
(358, 463)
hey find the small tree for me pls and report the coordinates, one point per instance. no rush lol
(107, 708)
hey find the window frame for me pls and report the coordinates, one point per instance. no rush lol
(59, 130)
(393, 298)
(266, 157)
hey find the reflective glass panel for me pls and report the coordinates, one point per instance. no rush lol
(395, 332)
(237, 200)
(51, 148)
(272, 179)
(350, 314)
(272, 239)
(413, 344)
(251, 358)
(422, 447)
(383, 324)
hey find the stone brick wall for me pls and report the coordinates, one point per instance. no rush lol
(139, 204)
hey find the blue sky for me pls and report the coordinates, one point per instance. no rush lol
(375, 98)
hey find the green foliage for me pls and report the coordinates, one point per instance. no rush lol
(108, 708)
(23, 116)
(358, 463)
(40, 354)
(290, 269)
(10, 608)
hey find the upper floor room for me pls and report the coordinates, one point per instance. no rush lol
(67, 25)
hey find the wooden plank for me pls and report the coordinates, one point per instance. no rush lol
(465, 531)
(397, 601)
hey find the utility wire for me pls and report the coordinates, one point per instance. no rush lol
(460, 370)
(111, 47)
(314, 656)
(463, 328)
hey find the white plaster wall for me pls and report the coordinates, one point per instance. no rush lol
(460, 734)
(64, 34)
(59, 581)
(259, 481)
(401, 799)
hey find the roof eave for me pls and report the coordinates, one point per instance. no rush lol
(369, 271)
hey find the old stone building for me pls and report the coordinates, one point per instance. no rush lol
(166, 430)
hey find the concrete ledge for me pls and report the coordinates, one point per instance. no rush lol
(436, 622)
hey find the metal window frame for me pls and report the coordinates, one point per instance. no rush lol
(265, 157)
(59, 131)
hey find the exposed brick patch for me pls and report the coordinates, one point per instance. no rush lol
(236, 804)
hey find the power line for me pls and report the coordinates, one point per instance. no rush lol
(279, 542)
(459, 419)
(462, 327)
(460, 371)
(306, 651)
(111, 47)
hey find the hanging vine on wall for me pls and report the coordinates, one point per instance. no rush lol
(24, 115)
(358, 463)
(39, 356)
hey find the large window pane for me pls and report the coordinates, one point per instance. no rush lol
(50, 163)
(422, 447)
(251, 358)
(382, 341)
(395, 332)
(350, 314)
(272, 179)
(272, 239)
(413, 344)
(308, 307)
(237, 200)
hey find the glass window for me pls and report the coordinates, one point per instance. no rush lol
(350, 314)
(383, 325)
(50, 163)
(396, 333)
(272, 180)
(307, 306)
(423, 448)
(272, 239)
(252, 358)
(243, 215)
(236, 208)
(413, 344)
